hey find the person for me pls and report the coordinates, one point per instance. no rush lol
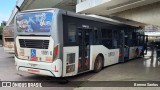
(152, 49)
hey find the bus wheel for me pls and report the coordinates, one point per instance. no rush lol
(63, 80)
(98, 63)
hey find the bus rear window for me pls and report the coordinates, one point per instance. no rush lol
(34, 22)
(9, 39)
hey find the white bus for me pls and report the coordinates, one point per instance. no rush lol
(8, 39)
(60, 43)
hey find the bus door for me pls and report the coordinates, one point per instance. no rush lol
(84, 49)
(126, 47)
(121, 46)
(145, 46)
(142, 41)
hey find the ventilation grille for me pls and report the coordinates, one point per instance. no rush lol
(39, 44)
(9, 39)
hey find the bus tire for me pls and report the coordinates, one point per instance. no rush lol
(98, 64)
(63, 81)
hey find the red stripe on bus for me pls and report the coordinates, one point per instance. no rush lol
(55, 69)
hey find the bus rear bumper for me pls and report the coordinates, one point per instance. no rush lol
(41, 68)
(9, 50)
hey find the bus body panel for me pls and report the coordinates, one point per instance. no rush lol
(50, 69)
(70, 60)
(110, 55)
(25, 63)
(23, 52)
(9, 50)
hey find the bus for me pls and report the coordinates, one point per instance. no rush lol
(8, 39)
(61, 43)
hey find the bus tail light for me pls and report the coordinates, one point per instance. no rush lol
(120, 54)
(49, 59)
(55, 52)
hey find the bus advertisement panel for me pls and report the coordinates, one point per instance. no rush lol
(34, 22)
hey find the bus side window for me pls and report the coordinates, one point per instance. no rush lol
(106, 38)
(71, 32)
(96, 37)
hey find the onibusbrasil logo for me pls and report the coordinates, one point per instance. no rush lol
(21, 84)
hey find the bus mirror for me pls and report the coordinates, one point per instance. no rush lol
(18, 8)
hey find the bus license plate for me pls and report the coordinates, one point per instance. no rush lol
(45, 52)
(33, 70)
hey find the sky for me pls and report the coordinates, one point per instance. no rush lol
(6, 7)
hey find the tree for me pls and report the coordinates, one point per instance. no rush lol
(1, 30)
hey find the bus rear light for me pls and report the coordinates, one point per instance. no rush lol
(21, 53)
(10, 46)
(79, 63)
(55, 52)
(120, 54)
(49, 59)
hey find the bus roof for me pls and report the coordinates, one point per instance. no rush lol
(102, 19)
(89, 17)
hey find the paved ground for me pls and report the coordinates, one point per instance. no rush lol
(147, 69)
(136, 70)
(0, 42)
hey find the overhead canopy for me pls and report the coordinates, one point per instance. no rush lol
(107, 7)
